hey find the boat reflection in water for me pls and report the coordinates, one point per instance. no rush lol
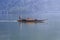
(31, 22)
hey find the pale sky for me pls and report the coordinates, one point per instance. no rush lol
(28, 7)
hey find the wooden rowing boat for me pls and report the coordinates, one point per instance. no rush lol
(29, 20)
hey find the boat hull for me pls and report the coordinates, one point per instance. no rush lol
(30, 20)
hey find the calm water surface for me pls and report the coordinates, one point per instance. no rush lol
(30, 31)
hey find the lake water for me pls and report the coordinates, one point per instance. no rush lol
(50, 30)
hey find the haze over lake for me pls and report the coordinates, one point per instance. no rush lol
(10, 10)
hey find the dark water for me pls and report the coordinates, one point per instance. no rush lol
(49, 30)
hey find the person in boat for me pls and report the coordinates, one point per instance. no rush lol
(35, 19)
(22, 19)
